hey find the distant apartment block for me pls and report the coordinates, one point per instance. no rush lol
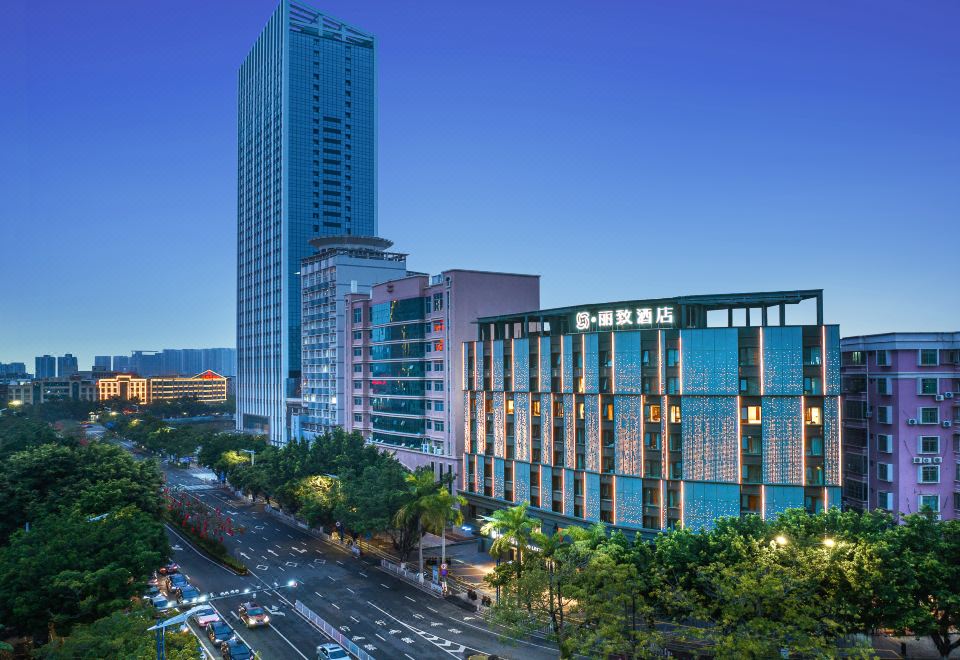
(402, 361)
(901, 422)
(67, 366)
(13, 370)
(102, 362)
(45, 366)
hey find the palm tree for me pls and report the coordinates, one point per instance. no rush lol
(442, 509)
(422, 487)
(514, 529)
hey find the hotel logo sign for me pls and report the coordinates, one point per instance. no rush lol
(632, 318)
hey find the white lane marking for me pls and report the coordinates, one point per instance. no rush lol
(318, 593)
(272, 552)
(282, 569)
(410, 656)
(289, 536)
(384, 586)
(277, 545)
(432, 610)
(351, 590)
(335, 605)
(378, 635)
(355, 619)
(282, 636)
(265, 538)
(363, 574)
(332, 579)
(340, 562)
(410, 599)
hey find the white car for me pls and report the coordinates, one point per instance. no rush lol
(331, 652)
(206, 616)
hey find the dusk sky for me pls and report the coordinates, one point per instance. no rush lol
(621, 149)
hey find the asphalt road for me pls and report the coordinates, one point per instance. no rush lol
(385, 616)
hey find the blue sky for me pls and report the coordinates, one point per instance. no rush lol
(620, 149)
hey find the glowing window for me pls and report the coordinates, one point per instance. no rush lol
(750, 414)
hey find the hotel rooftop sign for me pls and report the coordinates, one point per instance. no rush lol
(624, 318)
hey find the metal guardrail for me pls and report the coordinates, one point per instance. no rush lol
(429, 586)
(335, 634)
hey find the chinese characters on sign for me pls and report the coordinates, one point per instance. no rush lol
(639, 317)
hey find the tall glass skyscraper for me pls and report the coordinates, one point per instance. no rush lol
(306, 169)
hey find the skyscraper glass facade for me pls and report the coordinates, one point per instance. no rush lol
(306, 169)
(642, 415)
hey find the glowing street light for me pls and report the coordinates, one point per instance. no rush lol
(829, 542)
(781, 540)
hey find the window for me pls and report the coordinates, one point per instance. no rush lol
(438, 386)
(956, 476)
(854, 358)
(438, 366)
(357, 315)
(929, 415)
(811, 355)
(885, 500)
(929, 474)
(438, 302)
(884, 443)
(438, 345)
(651, 440)
(811, 386)
(438, 406)
(673, 357)
(956, 501)
(438, 326)
(357, 352)
(535, 407)
(885, 471)
(927, 386)
(883, 359)
(675, 414)
(750, 414)
(358, 384)
(357, 368)
(357, 417)
(929, 357)
(509, 406)
(357, 401)
(885, 414)
(929, 444)
(608, 412)
(751, 444)
(931, 502)
(673, 385)
(814, 446)
(357, 335)
(429, 404)
(438, 426)
(883, 386)
(813, 415)
(653, 413)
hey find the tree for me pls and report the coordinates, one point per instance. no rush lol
(925, 579)
(440, 510)
(119, 635)
(422, 486)
(512, 529)
(18, 433)
(70, 569)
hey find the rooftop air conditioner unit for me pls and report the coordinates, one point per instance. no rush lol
(911, 422)
(939, 397)
(946, 423)
(917, 460)
(927, 459)
(938, 459)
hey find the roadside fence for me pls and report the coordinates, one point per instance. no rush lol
(337, 636)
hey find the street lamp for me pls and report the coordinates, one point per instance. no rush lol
(781, 540)
(829, 542)
(253, 456)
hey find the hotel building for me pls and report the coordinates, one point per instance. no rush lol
(306, 169)
(402, 362)
(901, 421)
(206, 387)
(652, 414)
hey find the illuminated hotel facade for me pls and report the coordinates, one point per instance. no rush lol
(642, 415)
(206, 387)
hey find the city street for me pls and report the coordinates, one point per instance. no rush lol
(386, 617)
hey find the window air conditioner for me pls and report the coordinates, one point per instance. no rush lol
(948, 395)
(927, 459)
(946, 423)
(939, 397)
(911, 422)
(917, 460)
(937, 516)
(938, 459)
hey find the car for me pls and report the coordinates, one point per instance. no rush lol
(170, 568)
(151, 591)
(161, 603)
(188, 594)
(253, 615)
(331, 652)
(173, 582)
(205, 616)
(234, 649)
(219, 632)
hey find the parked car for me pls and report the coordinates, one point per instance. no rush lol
(170, 568)
(253, 615)
(188, 595)
(151, 591)
(173, 582)
(161, 603)
(331, 652)
(205, 616)
(234, 649)
(219, 632)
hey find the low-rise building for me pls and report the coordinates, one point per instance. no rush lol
(208, 387)
(43, 390)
